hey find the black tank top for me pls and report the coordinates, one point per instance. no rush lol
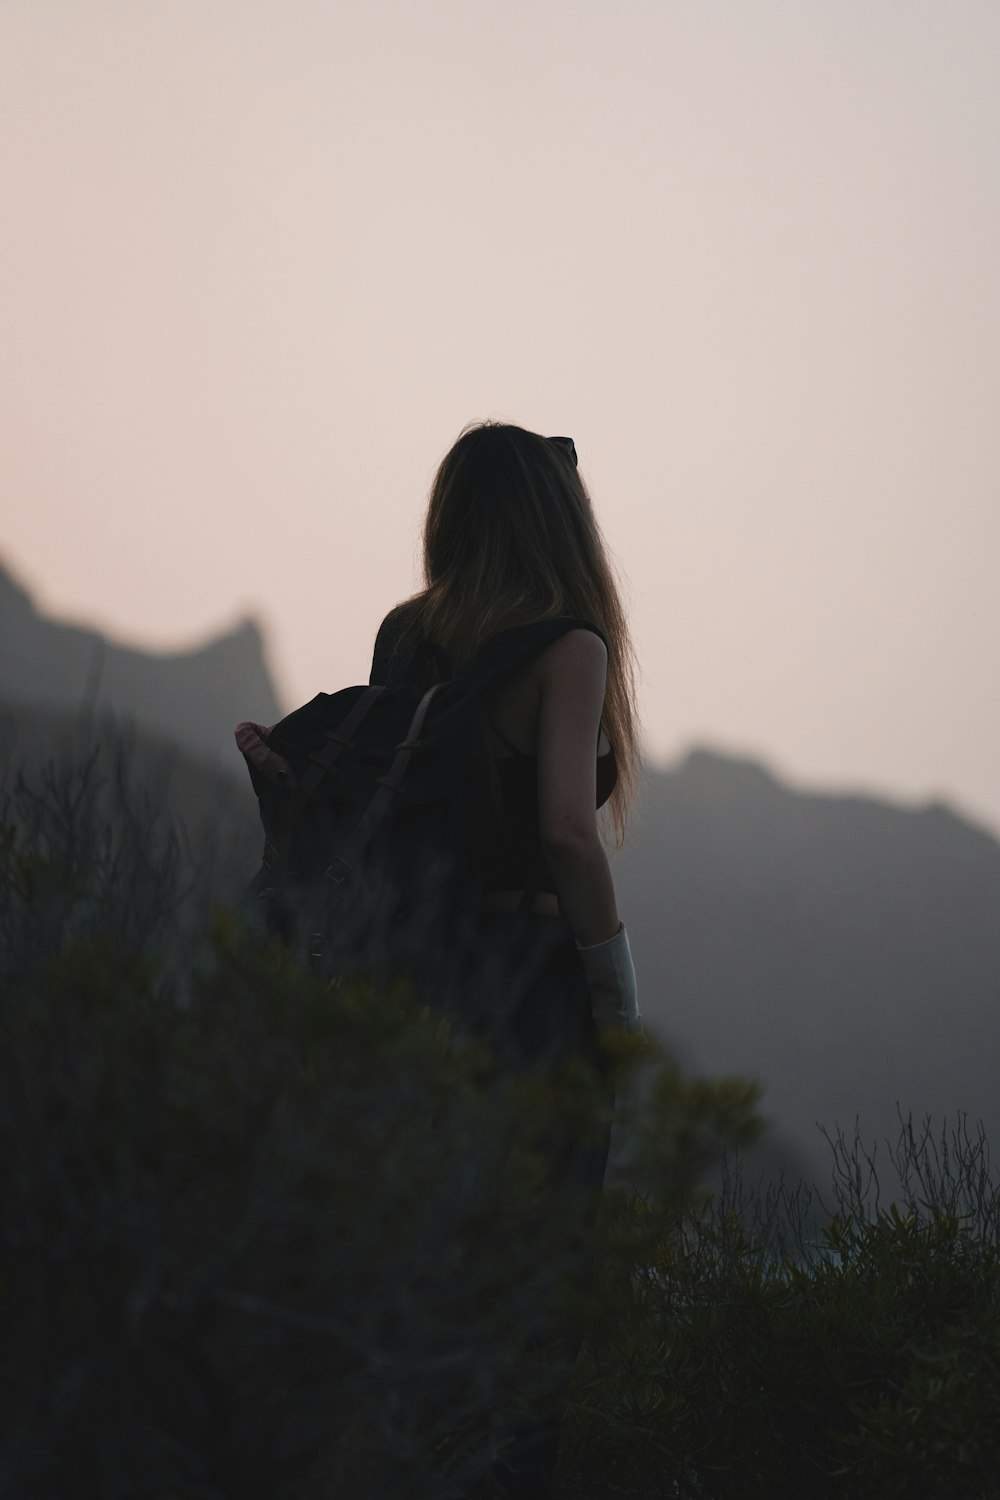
(512, 857)
(516, 859)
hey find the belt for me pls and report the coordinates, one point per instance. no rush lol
(544, 903)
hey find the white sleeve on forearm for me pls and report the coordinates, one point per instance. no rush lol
(611, 977)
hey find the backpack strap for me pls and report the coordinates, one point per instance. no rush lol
(337, 741)
(340, 866)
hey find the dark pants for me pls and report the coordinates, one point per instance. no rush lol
(525, 992)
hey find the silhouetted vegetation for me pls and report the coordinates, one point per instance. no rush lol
(264, 1238)
(770, 1348)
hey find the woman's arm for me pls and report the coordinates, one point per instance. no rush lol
(572, 678)
(573, 674)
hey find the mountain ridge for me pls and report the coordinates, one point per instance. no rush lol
(195, 695)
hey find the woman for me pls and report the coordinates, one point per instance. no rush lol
(512, 549)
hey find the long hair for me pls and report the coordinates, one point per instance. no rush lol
(510, 538)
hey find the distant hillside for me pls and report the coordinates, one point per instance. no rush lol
(844, 951)
(192, 697)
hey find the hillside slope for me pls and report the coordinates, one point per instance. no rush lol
(844, 951)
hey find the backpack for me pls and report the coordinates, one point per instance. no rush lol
(377, 803)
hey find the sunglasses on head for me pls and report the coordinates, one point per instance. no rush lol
(567, 445)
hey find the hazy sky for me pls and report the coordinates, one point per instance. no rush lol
(262, 259)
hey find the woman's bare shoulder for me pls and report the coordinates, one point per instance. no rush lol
(580, 652)
(571, 682)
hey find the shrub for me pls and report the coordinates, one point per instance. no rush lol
(258, 1236)
(754, 1360)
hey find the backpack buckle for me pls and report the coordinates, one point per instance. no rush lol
(338, 870)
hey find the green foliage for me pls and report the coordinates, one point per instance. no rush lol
(865, 1365)
(247, 1239)
(261, 1237)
